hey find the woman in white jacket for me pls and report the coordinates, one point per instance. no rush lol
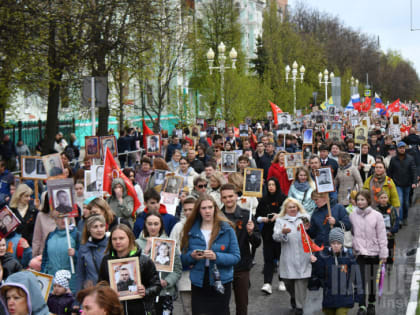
(295, 265)
(363, 161)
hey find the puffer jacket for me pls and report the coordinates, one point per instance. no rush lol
(125, 209)
(369, 233)
(170, 277)
(227, 254)
(149, 278)
(27, 281)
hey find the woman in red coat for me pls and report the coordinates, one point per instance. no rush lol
(278, 171)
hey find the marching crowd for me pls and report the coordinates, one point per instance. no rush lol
(216, 225)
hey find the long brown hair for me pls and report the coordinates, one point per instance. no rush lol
(131, 238)
(160, 164)
(104, 206)
(277, 157)
(195, 215)
(105, 297)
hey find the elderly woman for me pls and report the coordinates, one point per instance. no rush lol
(295, 265)
(25, 211)
(216, 181)
(347, 178)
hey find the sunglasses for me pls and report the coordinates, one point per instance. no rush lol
(202, 186)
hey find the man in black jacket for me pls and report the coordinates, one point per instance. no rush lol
(248, 234)
(324, 150)
(402, 170)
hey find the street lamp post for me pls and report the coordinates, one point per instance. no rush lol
(222, 67)
(294, 78)
(326, 82)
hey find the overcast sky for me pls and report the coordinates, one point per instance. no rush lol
(388, 19)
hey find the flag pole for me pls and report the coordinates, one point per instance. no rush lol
(306, 236)
(329, 207)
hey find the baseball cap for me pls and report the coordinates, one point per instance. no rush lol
(401, 144)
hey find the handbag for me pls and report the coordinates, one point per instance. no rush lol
(348, 237)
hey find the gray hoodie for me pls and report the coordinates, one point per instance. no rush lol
(124, 209)
(27, 281)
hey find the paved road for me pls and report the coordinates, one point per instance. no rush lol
(396, 289)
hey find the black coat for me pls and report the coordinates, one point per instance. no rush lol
(149, 278)
(240, 219)
(402, 171)
(26, 228)
(10, 265)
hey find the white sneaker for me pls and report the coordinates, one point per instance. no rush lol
(266, 288)
(282, 286)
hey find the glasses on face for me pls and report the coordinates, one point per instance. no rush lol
(216, 150)
(202, 186)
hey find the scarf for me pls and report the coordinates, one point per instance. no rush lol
(301, 186)
(345, 167)
(376, 184)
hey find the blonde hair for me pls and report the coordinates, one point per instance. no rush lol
(237, 180)
(218, 176)
(21, 190)
(308, 176)
(296, 202)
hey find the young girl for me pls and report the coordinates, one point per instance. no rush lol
(391, 220)
(369, 243)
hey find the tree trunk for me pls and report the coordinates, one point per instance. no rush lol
(52, 114)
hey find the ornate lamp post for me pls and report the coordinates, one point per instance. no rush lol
(294, 78)
(326, 82)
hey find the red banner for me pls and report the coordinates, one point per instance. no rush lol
(308, 245)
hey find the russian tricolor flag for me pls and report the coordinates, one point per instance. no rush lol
(379, 104)
(355, 99)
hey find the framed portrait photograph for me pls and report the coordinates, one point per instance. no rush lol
(32, 167)
(243, 130)
(253, 181)
(153, 144)
(53, 165)
(169, 199)
(221, 124)
(290, 173)
(308, 136)
(163, 254)
(8, 221)
(324, 180)
(360, 135)
(173, 184)
(111, 143)
(92, 147)
(61, 196)
(334, 134)
(200, 121)
(284, 123)
(160, 177)
(307, 151)
(94, 179)
(45, 282)
(331, 110)
(228, 161)
(293, 160)
(124, 277)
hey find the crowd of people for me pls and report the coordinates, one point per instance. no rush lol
(217, 226)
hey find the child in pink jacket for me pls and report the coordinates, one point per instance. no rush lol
(370, 243)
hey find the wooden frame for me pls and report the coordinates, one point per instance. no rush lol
(127, 290)
(153, 150)
(360, 138)
(8, 221)
(308, 136)
(53, 164)
(228, 166)
(38, 171)
(92, 147)
(324, 180)
(253, 182)
(105, 142)
(163, 262)
(65, 188)
(45, 282)
(293, 160)
(307, 153)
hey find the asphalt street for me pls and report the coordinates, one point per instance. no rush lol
(395, 295)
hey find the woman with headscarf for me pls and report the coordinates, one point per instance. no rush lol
(120, 202)
(267, 210)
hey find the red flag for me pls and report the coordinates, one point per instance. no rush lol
(366, 104)
(276, 110)
(405, 128)
(111, 171)
(146, 132)
(308, 245)
(394, 107)
(236, 131)
(404, 106)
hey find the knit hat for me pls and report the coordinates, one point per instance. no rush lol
(62, 277)
(337, 234)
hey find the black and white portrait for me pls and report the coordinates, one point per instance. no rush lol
(153, 144)
(8, 222)
(243, 130)
(53, 164)
(307, 152)
(173, 184)
(228, 161)
(284, 123)
(61, 195)
(111, 143)
(308, 136)
(361, 135)
(159, 177)
(62, 200)
(253, 182)
(163, 254)
(33, 167)
(96, 178)
(324, 180)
